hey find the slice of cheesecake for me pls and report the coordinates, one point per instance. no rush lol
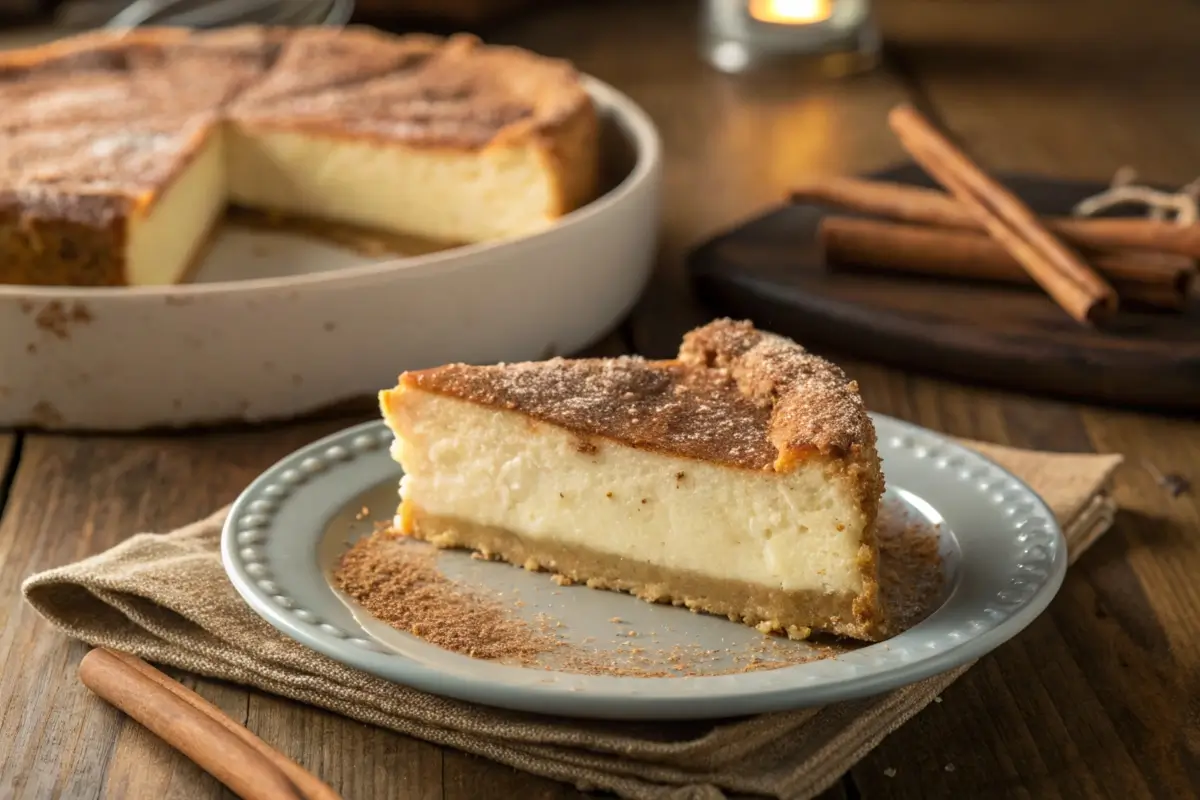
(739, 479)
(449, 140)
(112, 153)
(109, 204)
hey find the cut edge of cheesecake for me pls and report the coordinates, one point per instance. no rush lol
(513, 156)
(152, 230)
(681, 481)
(530, 181)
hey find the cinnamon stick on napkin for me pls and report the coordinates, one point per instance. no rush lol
(165, 598)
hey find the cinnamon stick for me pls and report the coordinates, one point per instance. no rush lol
(1161, 281)
(310, 786)
(892, 200)
(1061, 272)
(196, 729)
(934, 207)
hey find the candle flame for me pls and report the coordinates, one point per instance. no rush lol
(791, 12)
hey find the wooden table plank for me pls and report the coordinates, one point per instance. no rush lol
(8, 448)
(468, 777)
(1097, 698)
(357, 760)
(1162, 541)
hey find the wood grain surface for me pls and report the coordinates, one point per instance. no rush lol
(1098, 698)
(8, 446)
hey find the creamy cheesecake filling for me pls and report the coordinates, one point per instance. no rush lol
(795, 532)
(439, 193)
(163, 242)
(797, 613)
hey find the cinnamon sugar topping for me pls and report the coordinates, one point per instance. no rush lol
(419, 89)
(813, 404)
(735, 396)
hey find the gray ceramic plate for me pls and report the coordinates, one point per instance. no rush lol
(1004, 558)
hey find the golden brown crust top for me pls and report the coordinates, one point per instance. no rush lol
(735, 396)
(144, 78)
(415, 88)
(95, 124)
(813, 405)
(91, 175)
(454, 92)
(348, 57)
(72, 111)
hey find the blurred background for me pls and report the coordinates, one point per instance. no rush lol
(383, 13)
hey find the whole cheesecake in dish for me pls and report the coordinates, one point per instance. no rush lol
(739, 479)
(118, 155)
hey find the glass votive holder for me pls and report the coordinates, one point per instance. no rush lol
(830, 37)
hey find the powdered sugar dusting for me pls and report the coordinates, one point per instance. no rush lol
(72, 99)
(90, 174)
(119, 142)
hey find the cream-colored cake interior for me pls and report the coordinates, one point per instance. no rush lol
(437, 193)
(795, 531)
(163, 243)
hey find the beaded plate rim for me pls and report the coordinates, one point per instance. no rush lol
(957, 483)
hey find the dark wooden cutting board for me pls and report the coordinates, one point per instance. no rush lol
(771, 270)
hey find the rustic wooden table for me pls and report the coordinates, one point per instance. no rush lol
(1099, 698)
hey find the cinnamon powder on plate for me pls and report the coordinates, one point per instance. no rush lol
(401, 585)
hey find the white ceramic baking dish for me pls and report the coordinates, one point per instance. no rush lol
(327, 325)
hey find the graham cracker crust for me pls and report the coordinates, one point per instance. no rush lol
(796, 613)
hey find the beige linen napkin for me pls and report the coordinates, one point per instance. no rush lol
(165, 597)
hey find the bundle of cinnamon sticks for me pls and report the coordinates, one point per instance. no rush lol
(977, 229)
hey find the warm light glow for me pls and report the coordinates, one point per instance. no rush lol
(791, 12)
